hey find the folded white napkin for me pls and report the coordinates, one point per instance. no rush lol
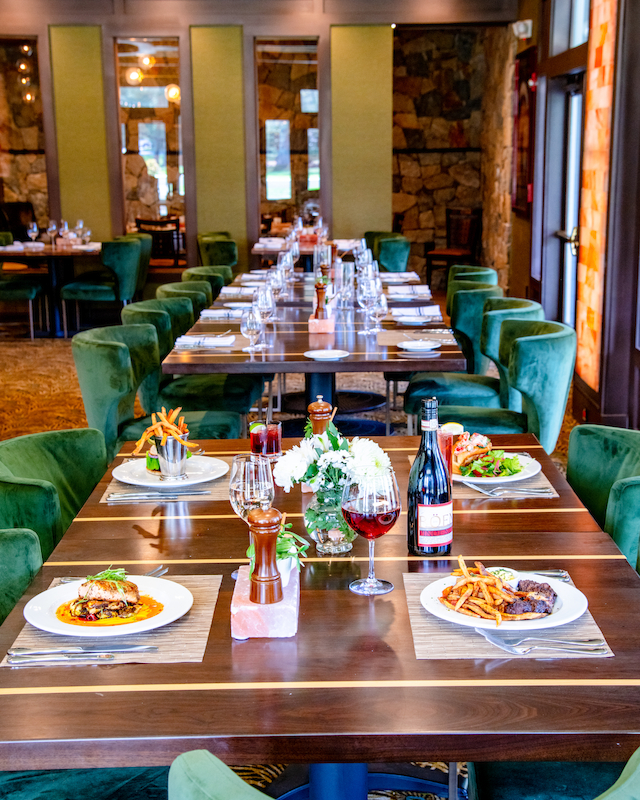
(420, 311)
(237, 291)
(399, 277)
(346, 244)
(88, 247)
(221, 313)
(418, 291)
(205, 341)
(16, 247)
(33, 245)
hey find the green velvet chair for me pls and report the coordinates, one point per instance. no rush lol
(199, 292)
(393, 253)
(454, 388)
(216, 276)
(215, 250)
(122, 260)
(460, 275)
(603, 468)
(173, 317)
(45, 479)
(372, 238)
(146, 243)
(112, 363)
(24, 291)
(541, 357)
(20, 560)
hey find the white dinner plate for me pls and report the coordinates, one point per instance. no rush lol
(199, 469)
(417, 322)
(530, 467)
(570, 604)
(41, 610)
(326, 355)
(419, 345)
(237, 305)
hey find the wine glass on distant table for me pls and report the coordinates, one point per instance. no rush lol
(52, 227)
(251, 327)
(32, 231)
(265, 304)
(250, 484)
(371, 506)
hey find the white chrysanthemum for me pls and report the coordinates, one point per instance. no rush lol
(368, 458)
(292, 466)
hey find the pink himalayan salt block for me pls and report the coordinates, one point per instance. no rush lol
(322, 325)
(273, 621)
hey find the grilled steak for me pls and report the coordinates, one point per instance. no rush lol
(533, 597)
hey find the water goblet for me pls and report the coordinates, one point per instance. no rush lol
(63, 230)
(32, 231)
(379, 311)
(366, 296)
(371, 505)
(78, 228)
(52, 227)
(251, 327)
(250, 484)
(265, 304)
(86, 235)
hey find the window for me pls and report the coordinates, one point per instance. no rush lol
(150, 123)
(570, 25)
(288, 106)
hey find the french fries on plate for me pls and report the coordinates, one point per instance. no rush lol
(163, 425)
(479, 593)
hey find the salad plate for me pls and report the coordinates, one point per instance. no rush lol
(530, 467)
(417, 322)
(199, 469)
(570, 604)
(418, 345)
(326, 355)
(41, 610)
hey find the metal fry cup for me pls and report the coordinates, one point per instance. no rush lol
(172, 457)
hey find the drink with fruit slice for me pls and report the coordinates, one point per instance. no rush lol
(266, 439)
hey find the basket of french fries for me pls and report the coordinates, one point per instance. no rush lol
(168, 435)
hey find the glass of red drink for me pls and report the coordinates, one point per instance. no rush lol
(371, 507)
(266, 439)
(445, 443)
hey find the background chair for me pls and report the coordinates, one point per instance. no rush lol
(172, 317)
(603, 468)
(15, 291)
(541, 356)
(122, 260)
(209, 273)
(217, 249)
(112, 363)
(461, 275)
(20, 560)
(45, 479)
(373, 238)
(199, 292)
(165, 235)
(19, 215)
(464, 228)
(393, 253)
(146, 245)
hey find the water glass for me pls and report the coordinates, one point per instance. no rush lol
(251, 327)
(52, 227)
(32, 231)
(86, 235)
(250, 484)
(379, 311)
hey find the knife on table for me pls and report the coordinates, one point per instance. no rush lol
(60, 658)
(74, 650)
(547, 644)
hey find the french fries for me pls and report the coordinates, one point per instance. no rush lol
(163, 425)
(479, 593)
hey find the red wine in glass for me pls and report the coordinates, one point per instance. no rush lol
(371, 526)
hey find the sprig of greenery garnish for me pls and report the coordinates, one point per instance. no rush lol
(109, 574)
(288, 545)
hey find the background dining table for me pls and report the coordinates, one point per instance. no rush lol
(348, 687)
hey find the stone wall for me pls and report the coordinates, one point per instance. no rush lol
(497, 145)
(23, 174)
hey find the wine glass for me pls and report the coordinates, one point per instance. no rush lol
(265, 304)
(366, 296)
(78, 228)
(250, 484)
(52, 227)
(32, 231)
(86, 235)
(251, 327)
(63, 230)
(379, 311)
(371, 505)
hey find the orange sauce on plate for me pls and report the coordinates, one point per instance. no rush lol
(150, 608)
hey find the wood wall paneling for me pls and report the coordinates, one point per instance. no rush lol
(79, 108)
(361, 113)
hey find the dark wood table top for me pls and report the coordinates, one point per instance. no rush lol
(348, 687)
(48, 253)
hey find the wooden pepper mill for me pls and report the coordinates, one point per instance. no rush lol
(320, 414)
(321, 291)
(266, 585)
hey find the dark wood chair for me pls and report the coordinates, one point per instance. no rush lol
(166, 239)
(18, 216)
(464, 227)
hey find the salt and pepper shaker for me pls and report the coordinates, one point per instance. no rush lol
(266, 585)
(321, 291)
(320, 415)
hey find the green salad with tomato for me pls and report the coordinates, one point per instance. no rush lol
(494, 464)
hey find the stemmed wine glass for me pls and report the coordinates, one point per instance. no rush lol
(379, 311)
(366, 296)
(63, 230)
(251, 327)
(265, 304)
(32, 231)
(250, 484)
(371, 505)
(52, 227)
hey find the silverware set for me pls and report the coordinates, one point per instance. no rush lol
(521, 647)
(501, 491)
(24, 656)
(169, 494)
(156, 572)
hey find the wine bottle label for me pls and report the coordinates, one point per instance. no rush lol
(429, 424)
(435, 524)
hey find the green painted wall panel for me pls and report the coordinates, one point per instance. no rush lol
(361, 121)
(218, 103)
(76, 66)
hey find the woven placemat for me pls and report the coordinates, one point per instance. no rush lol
(539, 481)
(182, 640)
(217, 489)
(436, 638)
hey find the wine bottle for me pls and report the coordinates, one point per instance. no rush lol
(430, 507)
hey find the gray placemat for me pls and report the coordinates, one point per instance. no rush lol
(217, 489)
(182, 640)
(539, 481)
(436, 638)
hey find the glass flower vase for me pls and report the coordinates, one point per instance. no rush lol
(326, 526)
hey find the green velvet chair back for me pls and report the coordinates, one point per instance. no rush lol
(215, 235)
(20, 560)
(215, 251)
(112, 363)
(146, 243)
(45, 478)
(462, 274)
(372, 238)
(216, 276)
(198, 292)
(495, 311)
(6, 237)
(541, 356)
(603, 468)
(122, 258)
(393, 253)
(199, 775)
(466, 320)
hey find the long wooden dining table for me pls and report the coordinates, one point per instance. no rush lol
(348, 687)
